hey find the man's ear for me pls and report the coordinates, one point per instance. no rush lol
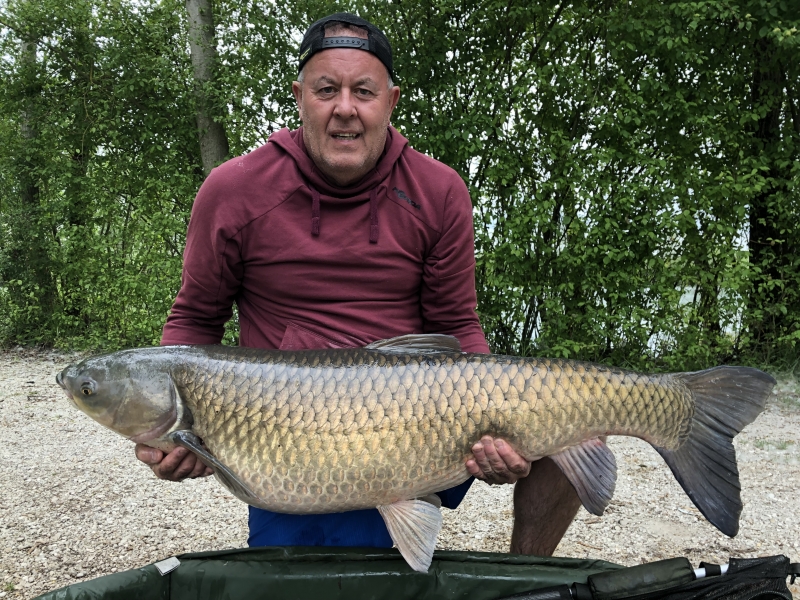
(394, 95)
(297, 90)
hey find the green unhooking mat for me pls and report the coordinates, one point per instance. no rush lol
(296, 573)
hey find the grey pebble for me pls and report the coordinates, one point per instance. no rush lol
(105, 512)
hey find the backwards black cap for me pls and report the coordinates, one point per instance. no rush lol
(314, 40)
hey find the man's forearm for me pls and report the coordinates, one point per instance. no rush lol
(545, 503)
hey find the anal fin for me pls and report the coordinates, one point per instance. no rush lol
(414, 526)
(226, 477)
(592, 470)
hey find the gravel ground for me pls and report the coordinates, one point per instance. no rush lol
(75, 503)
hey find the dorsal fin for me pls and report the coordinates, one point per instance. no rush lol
(412, 343)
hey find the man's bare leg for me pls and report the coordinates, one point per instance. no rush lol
(545, 503)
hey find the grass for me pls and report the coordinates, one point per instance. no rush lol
(789, 400)
(787, 392)
(9, 587)
(778, 445)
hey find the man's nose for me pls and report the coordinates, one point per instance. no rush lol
(345, 107)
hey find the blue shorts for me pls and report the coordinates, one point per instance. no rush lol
(363, 528)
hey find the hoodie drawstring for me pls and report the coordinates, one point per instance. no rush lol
(373, 216)
(314, 211)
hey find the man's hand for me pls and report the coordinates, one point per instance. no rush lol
(494, 461)
(178, 465)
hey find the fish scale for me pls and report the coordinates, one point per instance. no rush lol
(393, 403)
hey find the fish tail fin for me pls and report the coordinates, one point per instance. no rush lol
(726, 400)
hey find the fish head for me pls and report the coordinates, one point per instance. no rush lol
(133, 396)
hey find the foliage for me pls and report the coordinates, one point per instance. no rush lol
(634, 166)
(113, 159)
(610, 151)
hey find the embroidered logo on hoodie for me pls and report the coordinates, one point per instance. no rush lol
(402, 195)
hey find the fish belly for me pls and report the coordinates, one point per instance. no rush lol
(319, 431)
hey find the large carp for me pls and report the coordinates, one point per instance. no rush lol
(387, 425)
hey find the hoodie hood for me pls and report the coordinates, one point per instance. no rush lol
(365, 189)
(292, 143)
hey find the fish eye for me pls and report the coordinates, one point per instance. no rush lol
(87, 389)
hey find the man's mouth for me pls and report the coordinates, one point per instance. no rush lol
(346, 136)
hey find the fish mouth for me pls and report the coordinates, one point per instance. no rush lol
(60, 381)
(160, 429)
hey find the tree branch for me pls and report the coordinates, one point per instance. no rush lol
(5, 21)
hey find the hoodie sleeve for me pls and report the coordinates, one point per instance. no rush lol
(212, 269)
(448, 294)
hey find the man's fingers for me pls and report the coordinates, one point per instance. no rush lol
(185, 468)
(490, 465)
(178, 465)
(149, 456)
(513, 461)
(199, 470)
(172, 460)
(482, 462)
(474, 469)
(495, 461)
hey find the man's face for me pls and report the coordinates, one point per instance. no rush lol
(345, 104)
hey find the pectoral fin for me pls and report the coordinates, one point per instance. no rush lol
(414, 526)
(592, 470)
(226, 477)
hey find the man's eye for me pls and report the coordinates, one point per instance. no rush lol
(363, 92)
(326, 90)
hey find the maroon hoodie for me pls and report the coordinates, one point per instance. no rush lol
(312, 265)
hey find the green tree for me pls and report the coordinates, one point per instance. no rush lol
(116, 162)
(633, 166)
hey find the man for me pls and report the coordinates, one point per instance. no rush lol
(336, 235)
